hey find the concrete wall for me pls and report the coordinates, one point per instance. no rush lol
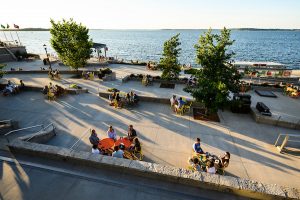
(259, 118)
(228, 184)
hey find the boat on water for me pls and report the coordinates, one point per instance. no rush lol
(269, 69)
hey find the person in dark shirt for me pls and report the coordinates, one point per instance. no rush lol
(94, 140)
(131, 133)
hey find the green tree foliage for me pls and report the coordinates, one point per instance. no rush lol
(169, 62)
(71, 42)
(218, 76)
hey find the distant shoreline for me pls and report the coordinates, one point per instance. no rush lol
(239, 29)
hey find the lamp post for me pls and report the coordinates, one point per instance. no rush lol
(45, 47)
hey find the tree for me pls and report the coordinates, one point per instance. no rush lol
(169, 62)
(218, 75)
(71, 42)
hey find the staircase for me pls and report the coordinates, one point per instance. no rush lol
(6, 55)
(5, 127)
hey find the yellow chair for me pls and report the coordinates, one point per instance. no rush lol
(91, 76)
(138, 154)
(51, 96)
(187, 107)
(179, 111)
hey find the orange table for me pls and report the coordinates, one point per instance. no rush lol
(125, 141)
(106, 143)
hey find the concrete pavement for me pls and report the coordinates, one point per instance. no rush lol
(166, 137)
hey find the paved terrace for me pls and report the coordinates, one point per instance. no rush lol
(166, 138)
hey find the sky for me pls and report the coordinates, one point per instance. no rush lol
(154, 14)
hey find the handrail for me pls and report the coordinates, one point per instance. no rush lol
(71, 148)
(7, 120)
(44, 128)
(21, 129)
(292, 135)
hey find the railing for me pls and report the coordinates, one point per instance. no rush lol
(22, 129)
(44, 128)
(286, 140)
(82, 136)
(4, 121)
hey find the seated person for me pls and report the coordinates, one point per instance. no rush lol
(111, 133)
(195, 164)
(173, 101)
(197, 147)
(45, 90)
(224, 160)
(118, 99)
(210, 167)
(118, 153)
(22, 85)
(59, 90)
(136, 145)
(131, 133)
(112, 97)
(128, 99)
(180, 104)
(51, 75)
(94, 140)
(131, 96)
(95, 150)
(135, 98)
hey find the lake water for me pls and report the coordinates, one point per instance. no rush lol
(276, 46)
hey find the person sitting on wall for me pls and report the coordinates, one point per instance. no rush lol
(118, 101)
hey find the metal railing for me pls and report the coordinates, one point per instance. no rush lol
(82, 136)
(7, 120)
(286, 140)
(22, 129)
(44, 128)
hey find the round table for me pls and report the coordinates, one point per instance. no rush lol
(106, 143)
(125, 141)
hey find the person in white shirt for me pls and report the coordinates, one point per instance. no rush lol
(173, 102)
(95, 150)
(210, 168)
(111, 133)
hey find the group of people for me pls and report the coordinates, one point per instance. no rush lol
(130, 98)
(176, 104)
(119, 150)
(54, 74)
(147, 80)
(55, 90)
(204, 161)
(12, 88)
(88, 75)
